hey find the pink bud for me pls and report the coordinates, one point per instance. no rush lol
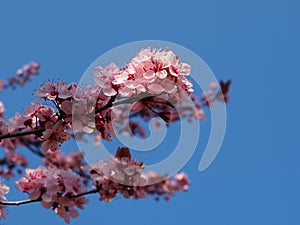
(19, 72)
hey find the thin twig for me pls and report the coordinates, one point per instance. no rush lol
(22, 202)
(28, 201)
(20, 134)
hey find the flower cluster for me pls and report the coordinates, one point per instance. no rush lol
(74, 161)
(126, 176)
(54, 135)
(161, 186)
(11, 161)
(58, 159)
(152, 70)
(35, 116)
(56, 189)
(23, 75)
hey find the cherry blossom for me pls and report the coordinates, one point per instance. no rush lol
(3, 191)
(152, 70)
(56, 188)
(104, 78)
(123, 175)
(55, 135)
(60, 90)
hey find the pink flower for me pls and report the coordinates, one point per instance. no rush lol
(6, 143)
(22, 121)
(105, 76)
(55, 188)
(58, 159)
(2, 212)
(59, 90)
(2, 109)
(123, 175)
(53, 136)
(17, 158)
(3, 191)
(151, 70)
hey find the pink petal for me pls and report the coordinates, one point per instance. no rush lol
(172, 71)
(149, 74)
(73, 213)
(46, 197)
(35, 195)
(109, 91)
(155, 88)
(46, 205)
(162, 74)
(185, 69)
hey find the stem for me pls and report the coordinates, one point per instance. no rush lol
(20, 134)
(22, 202)
(108, 105)
(30, 147)
(28, 201)
(137, 98)
(87, 193)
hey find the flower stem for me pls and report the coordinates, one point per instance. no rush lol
(21, 134)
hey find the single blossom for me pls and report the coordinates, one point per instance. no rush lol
(3, 191)
(55, 135)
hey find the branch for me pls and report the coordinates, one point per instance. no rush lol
(22, 202)
(137, 98)
(28, 201)
(20, 134)
(94, 191)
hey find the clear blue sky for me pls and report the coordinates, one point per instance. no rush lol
(255, 179)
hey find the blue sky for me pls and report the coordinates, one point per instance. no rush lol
(255, 178)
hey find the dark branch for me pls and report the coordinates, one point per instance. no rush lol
(21, 134)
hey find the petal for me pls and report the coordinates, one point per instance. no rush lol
(88, 130)
(149, 74)
(46, 197)
(125, 91)
(45, 146)
(101, 81)
(73, 213)
(131, 84)
(185, 69)
(170, 88)
(48, 134)
(35, 195)
(155, 88)
(109, 91)
(172, 71)
(162, 74)
(46, 205)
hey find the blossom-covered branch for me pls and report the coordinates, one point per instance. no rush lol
(154, 83)
(62, 190)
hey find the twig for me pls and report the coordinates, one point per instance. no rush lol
(28, 201)
(20, 134)
(22, 202)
